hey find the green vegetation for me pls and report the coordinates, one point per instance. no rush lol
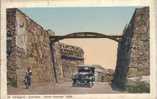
(142, 19)
(12, 83)
(108, 78)
(133, 72)
(138, 87)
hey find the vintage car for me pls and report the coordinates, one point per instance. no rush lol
(84, 77)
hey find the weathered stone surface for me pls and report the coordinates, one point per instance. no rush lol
(57, 62)
(133, 50)
(102, 74)
(11, 48)
(66, 59)
(27, 46)
(71, 56)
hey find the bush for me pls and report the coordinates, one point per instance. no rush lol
(12, 83)
(138, 87)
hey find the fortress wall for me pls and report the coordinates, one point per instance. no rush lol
(133, 49)
(11, 47)
(66, 58)
(28, 47)
(71, 57)
(57, 62)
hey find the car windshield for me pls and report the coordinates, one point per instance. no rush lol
(86, 69)
(83, 75)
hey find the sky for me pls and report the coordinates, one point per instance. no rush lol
(97, 51)
(65, 20)
(107, 20)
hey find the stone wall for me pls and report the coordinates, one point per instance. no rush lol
(57, 62)
(71, 56)
(133, 49)
(66, 59)
(11, 47)
(27, 46)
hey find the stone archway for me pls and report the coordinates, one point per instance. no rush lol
(58, 68)
(133, 47)
(85, 35)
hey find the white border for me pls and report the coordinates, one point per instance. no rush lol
(86, 3)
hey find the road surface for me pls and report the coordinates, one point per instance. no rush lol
(63, 88)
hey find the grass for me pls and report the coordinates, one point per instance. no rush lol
(12, 83)
(138, 87)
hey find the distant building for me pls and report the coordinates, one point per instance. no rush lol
(102, 74)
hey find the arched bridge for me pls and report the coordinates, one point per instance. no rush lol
(85, 35)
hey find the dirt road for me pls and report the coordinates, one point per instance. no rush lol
(64, 88)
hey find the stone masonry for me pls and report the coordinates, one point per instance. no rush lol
(133, 49)
(28, 45)
(66, 58)
(71, 57)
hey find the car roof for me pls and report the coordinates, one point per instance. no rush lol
(85, 66)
